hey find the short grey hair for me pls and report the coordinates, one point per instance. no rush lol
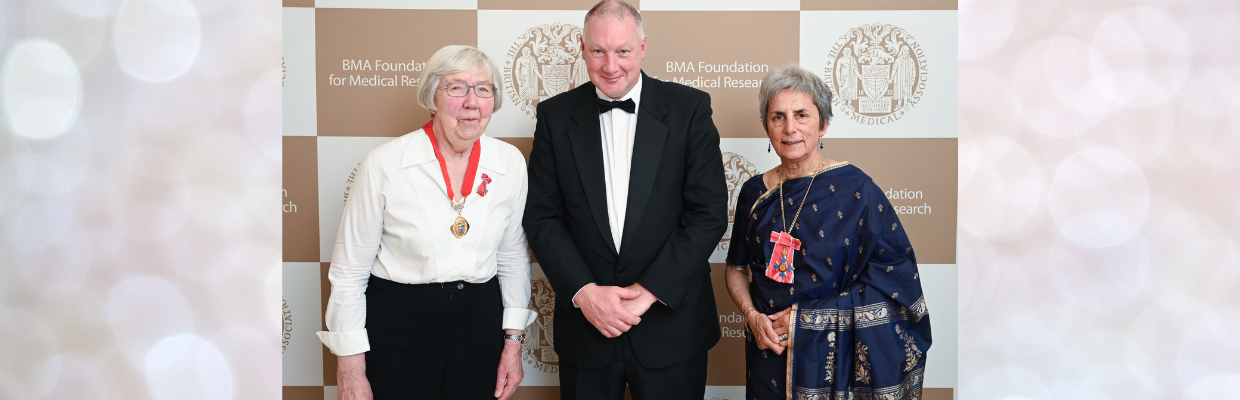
(617, 9)
(452, 59)
(796, 79)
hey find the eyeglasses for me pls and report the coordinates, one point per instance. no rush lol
(482, 90)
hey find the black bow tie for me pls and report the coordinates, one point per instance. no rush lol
(627, 105)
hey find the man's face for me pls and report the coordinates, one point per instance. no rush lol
(613, 51)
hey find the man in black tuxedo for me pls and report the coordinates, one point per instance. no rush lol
(626, 201)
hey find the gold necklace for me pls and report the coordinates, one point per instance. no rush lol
(780, 268)
(807, 189)
(785, 175)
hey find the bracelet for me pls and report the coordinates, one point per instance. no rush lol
(747, 329)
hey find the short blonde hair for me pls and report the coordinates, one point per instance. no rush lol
(452, 59)
(617, 9)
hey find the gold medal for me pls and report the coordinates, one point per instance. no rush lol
(460, 227)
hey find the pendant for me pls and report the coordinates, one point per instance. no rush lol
(460, 227)
(780, 267)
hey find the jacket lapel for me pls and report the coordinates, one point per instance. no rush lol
(647, 152)
(587, 144)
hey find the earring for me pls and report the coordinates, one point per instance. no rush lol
(820, 144)
(768, 147)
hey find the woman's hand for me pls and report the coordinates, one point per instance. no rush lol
(510, 372)
(764, 332)
(779, 322)
(759, 324)
(351, 378)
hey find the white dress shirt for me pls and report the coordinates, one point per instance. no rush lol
(396, 226)
(618, 128)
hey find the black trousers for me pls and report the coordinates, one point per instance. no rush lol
(433, 341)
(684, 381)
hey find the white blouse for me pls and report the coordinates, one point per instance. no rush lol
(396, 226)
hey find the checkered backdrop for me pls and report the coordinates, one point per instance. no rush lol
(350, 75)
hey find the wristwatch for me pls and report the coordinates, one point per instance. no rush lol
(519, 338)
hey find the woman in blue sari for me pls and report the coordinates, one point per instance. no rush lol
(821, 266)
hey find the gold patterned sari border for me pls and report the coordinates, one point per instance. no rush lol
(834, 165)
(909, 388)
(870, 315)
(772, 190)
(792, 324)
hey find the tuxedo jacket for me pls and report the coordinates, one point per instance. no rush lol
(676, 213)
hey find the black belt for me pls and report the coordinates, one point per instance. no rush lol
(425, 289)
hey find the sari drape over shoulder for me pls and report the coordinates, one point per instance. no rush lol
(860, 327)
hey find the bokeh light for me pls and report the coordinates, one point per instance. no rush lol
(72, 376)
(1099, 152)
(40, 89)
(1098, 197)
(77, 25)
(139, 179)
(156, 40)
(144, 310)
(186, 367)
(1099, 240)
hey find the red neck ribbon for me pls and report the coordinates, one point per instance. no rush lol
(443, 166)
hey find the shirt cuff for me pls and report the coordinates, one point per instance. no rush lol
(518, 318)
(579, 292)
(346, 343)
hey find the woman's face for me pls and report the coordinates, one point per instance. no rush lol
(792, 126)
(463, 118)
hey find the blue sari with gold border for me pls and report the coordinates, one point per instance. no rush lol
(860, 327)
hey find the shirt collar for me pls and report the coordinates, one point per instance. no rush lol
(635, 94)
(418, 151)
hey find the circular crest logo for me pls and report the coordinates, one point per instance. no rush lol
(539, 345)
(543, 62)
(348, 184)
(877, 72)
(286, 334)
(736, 171)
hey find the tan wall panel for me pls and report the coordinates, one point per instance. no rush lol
(346, 108)
(936, 394)
(300, 203)
(698, 38)
(536, 393)
(524, 144)
(302, 392)
(727, 358)
(329, 367)
(879, 4)
(542, 4)
(329, 359)
(325, 286)
(298, 3)
(927, 166)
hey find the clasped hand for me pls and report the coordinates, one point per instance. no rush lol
(767, 329)
(613, 310)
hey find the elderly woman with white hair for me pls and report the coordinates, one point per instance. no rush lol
(821, 265)
(430, 274)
